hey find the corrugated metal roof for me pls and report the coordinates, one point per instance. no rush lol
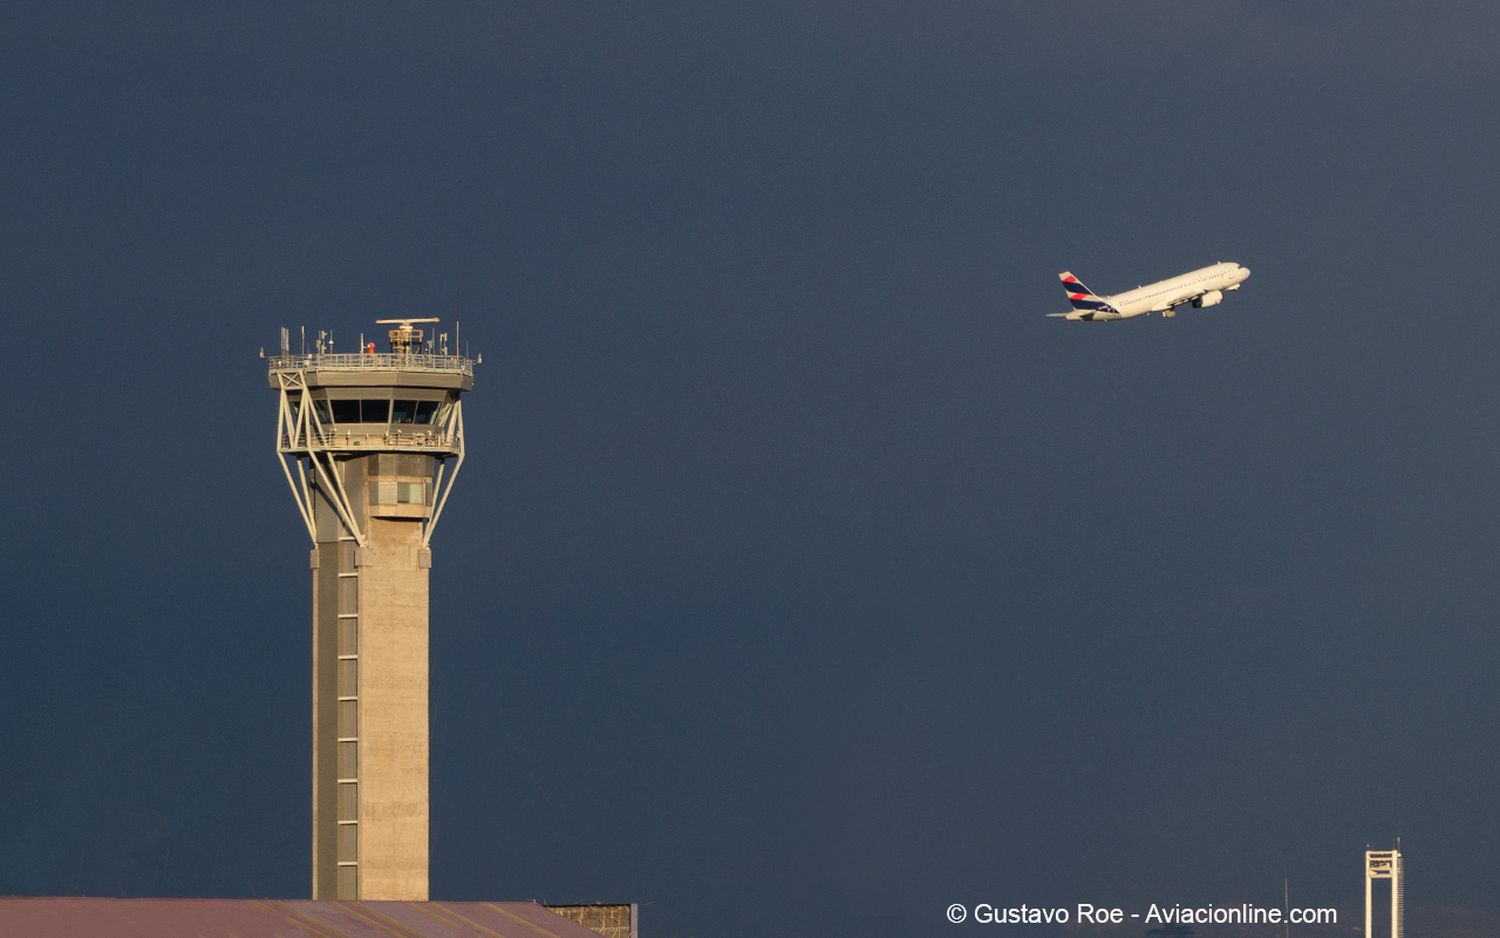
(294, 918)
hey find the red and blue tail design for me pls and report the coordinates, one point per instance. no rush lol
(1081, 296)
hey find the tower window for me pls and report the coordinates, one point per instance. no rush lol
(365, 411)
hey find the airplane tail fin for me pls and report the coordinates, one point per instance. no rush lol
(1081, 296)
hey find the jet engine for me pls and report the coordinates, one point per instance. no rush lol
(1211, 298)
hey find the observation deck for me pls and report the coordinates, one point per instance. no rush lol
(403, 400)
(337, 413)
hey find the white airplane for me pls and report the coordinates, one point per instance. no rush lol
(1205, 286)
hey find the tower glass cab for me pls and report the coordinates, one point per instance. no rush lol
(370, 443)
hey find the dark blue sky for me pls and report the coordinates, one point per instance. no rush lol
(801, 577)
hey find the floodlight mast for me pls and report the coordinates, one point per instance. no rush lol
(364, 440)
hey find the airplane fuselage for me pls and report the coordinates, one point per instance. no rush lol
(1205, 286)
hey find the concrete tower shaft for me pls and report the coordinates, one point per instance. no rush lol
(365, 441)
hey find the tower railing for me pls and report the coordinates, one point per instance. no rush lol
(383, 361)
(326, 438)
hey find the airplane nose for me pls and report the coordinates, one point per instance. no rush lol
(1244, 272)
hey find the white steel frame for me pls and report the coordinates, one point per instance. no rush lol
(300, 433)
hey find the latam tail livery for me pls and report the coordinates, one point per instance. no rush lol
(1205, 286)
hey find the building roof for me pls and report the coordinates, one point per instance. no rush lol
(292, 918)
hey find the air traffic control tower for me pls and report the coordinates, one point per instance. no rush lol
(365, 440)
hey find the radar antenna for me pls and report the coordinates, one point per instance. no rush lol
(405, 337)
